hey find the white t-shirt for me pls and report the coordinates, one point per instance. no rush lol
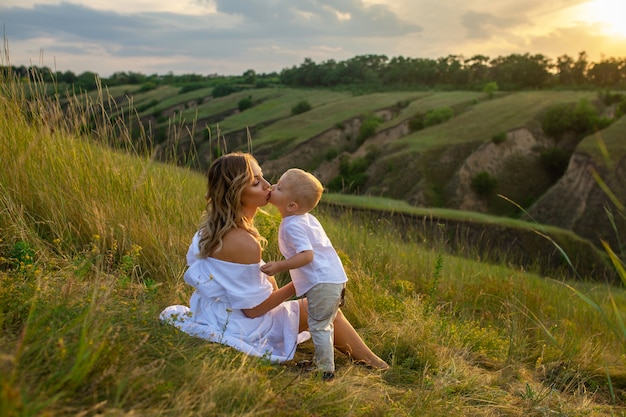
(303, 232)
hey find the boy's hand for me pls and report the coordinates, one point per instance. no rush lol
(270, 268)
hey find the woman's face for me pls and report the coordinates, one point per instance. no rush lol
(257, 193)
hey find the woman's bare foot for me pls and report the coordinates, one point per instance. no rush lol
(377, 364)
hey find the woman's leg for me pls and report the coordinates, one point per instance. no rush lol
(347, 340)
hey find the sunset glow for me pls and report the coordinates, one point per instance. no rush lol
(611, 14)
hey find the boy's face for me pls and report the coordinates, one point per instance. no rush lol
(281, 196)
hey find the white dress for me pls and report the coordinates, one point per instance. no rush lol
(222, 290)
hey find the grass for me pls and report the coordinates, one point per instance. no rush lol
(227, 103)
(92, 245)
(490, 117)
(317, 120)
(433, 101)
(277, 107)
(611, 138)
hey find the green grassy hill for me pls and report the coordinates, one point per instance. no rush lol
(395, 160)
(92, 244)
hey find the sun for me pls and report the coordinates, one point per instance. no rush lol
(610, 14)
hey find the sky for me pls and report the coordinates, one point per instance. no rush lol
(229, 37)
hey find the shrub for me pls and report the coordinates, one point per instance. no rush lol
(557, 119)
(498, 137)
(490, 88)
(190, 87)
(585, 117)
(609, 98)
(222, 90)
(436, 116)
(581, 118)
(368, 128)
(331, 154)
(622, 106)
(22, 253)
(245, 103)
(402, 104)
(483, 183)
(147, 87)
(301, 107)
(352, 175)
(416, 122)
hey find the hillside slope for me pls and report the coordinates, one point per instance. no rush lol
(578, 203)
(431, 166)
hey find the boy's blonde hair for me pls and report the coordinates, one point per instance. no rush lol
(305, 189)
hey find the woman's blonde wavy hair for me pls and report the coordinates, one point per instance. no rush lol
(227, 177)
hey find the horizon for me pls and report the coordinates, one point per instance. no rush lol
(229, 37)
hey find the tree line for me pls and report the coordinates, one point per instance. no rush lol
(511, 72)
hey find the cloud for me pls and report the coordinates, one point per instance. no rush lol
(304, 18)
(231, 36)
(485, 25)
(229, 29)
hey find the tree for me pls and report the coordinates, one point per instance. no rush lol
(68, 77)
(609, 72)
(521, 71)
(579, 70)
(490, 88)
(564, 70)
(452, 71)
(477, 68)
(249, 76)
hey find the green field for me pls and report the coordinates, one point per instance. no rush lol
(480, 122)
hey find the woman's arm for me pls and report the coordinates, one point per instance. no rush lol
(275, 298)
(238, 246)
(272, 281)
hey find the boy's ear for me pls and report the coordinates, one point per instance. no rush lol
(292, 207)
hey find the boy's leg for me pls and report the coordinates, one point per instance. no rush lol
(323, 301)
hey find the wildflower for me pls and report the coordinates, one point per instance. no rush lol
(135, 250)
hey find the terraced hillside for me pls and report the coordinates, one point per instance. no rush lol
(393, 145)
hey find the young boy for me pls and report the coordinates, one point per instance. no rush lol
(313, 263)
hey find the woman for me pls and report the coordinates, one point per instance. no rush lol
(234, 303)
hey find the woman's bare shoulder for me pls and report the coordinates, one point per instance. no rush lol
(239, 246)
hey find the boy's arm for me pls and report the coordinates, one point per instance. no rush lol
(296, 261)
(276, 297)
